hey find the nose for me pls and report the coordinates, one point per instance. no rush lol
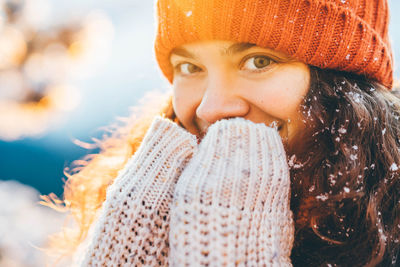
(221, 100)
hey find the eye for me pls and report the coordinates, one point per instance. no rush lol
(187, 68)
(257, 63)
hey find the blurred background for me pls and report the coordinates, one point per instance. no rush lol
(68, 68)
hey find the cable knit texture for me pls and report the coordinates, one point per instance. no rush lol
(231, 203)
(347, 35)
(132, 229)
(224, 202)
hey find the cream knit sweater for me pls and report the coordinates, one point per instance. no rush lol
(224, 202)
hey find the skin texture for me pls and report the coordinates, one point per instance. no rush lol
(215, 80)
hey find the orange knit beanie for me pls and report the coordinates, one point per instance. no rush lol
(348, 35)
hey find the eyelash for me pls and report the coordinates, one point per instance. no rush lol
(177, 67)
(255, 56)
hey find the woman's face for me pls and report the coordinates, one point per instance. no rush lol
(216, 80)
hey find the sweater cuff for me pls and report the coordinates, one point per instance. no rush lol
(164, 151)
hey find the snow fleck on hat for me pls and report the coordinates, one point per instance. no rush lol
(347, 35)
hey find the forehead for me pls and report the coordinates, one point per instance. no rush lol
(225, 48)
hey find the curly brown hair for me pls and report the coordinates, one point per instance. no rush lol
(345, 179)
(345, 174)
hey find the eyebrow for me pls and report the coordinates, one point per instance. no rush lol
(233, 49)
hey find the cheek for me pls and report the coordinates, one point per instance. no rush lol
(281, 94)
(179, 104)
(184, 103)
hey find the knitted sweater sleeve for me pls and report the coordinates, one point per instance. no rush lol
(133, 224)
(231, 203)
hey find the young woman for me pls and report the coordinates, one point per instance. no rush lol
(279, 145)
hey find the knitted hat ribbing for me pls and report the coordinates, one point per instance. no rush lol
(348, 35)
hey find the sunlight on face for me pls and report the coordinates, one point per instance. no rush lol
(214, 80)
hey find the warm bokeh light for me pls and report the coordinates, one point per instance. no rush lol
(18, 119)
(38, 61)
(12, 47)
